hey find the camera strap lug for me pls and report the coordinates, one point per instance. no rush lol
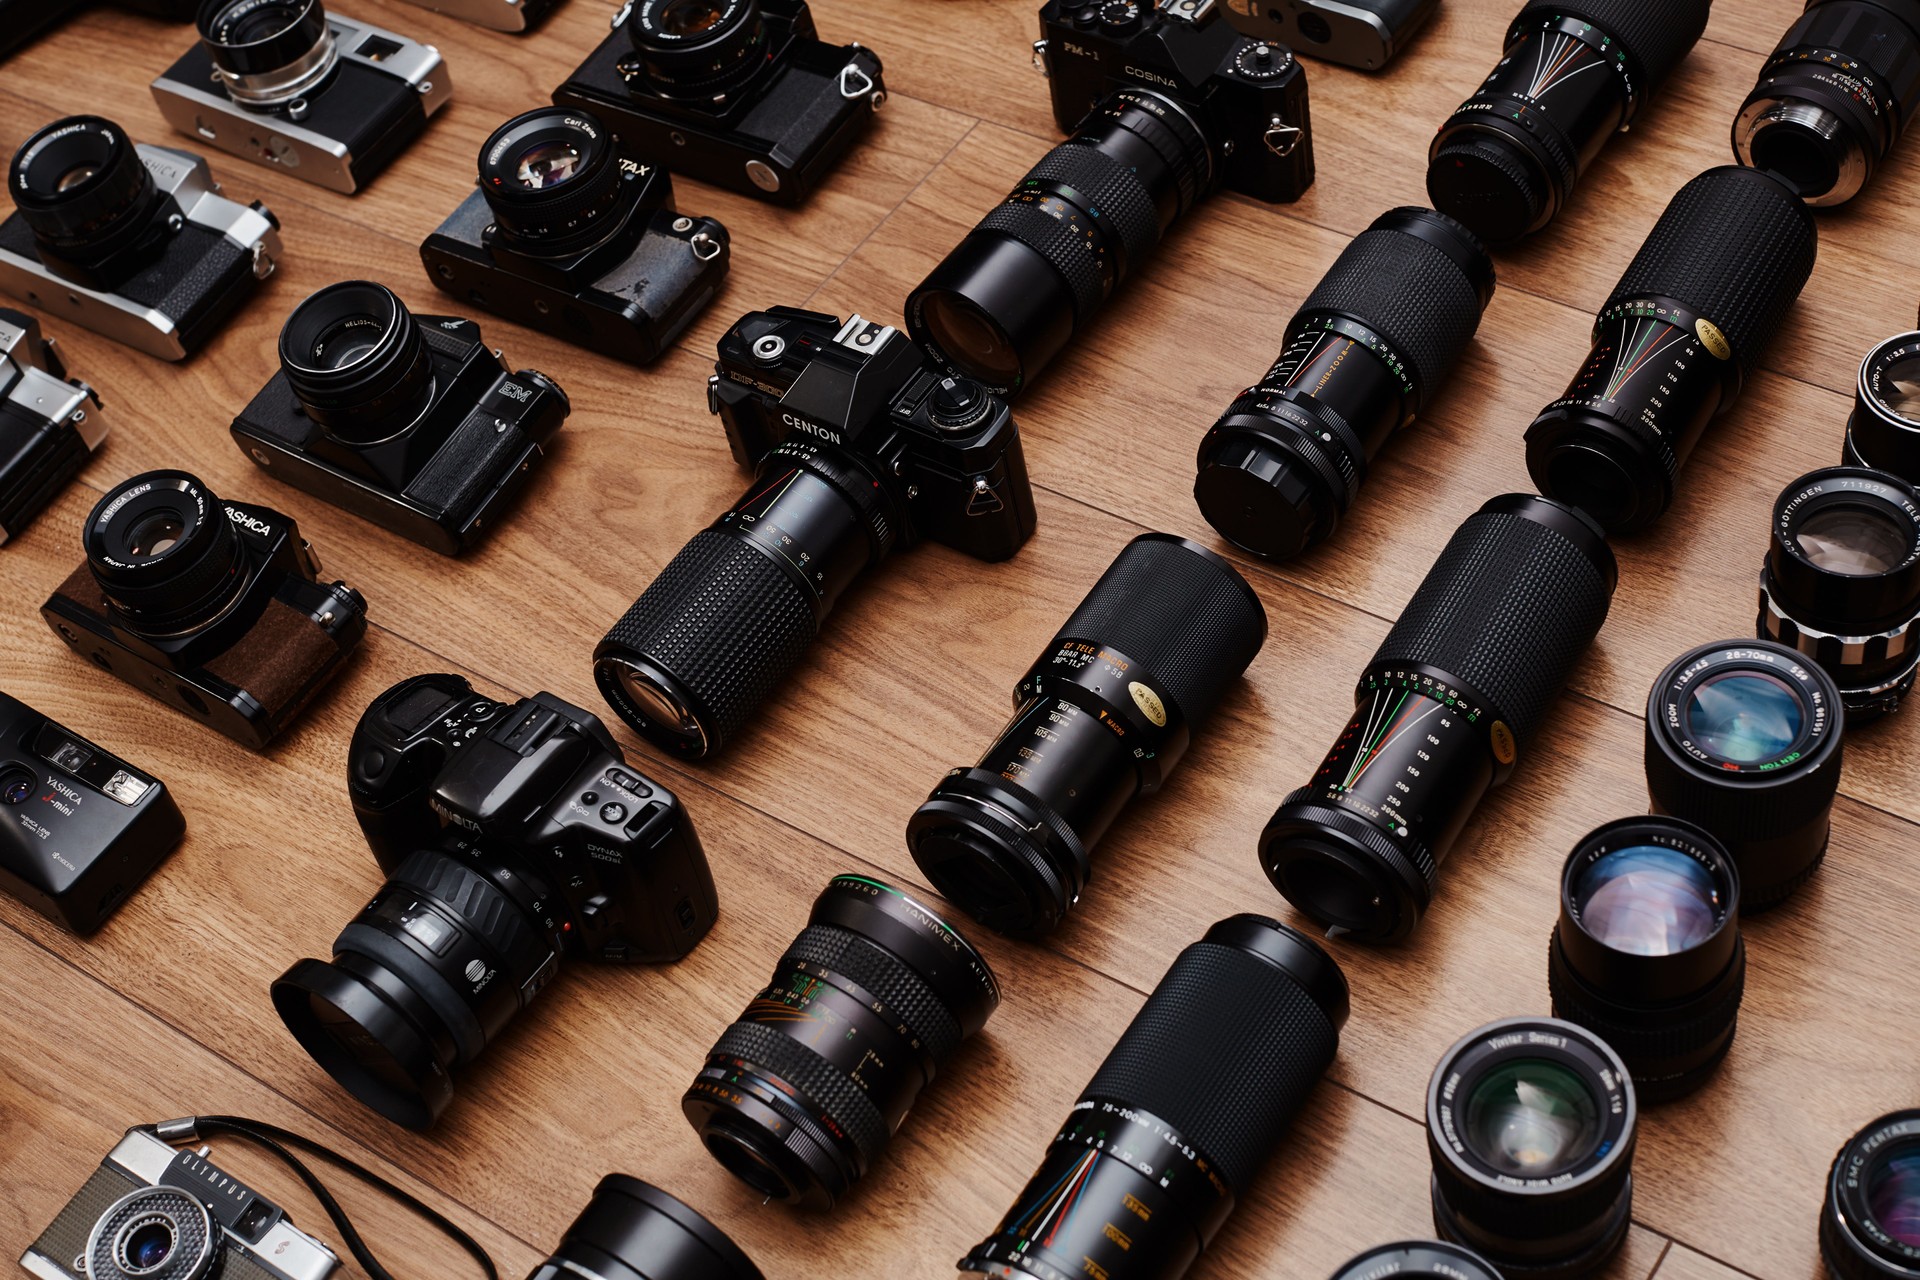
(704, 246)
(856, 84)
(713, 393)
(1282, 138)
(1040, 56)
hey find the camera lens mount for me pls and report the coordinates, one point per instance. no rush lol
(699, 48)
(552, 178)
(355, 359)
(164, 553)
(81, 187)
(268, 52)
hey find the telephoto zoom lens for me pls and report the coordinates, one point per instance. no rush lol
(1369, 349)
(632, 1230)
(1870, 1223)
(1884, 431)
(1174, 1125)
(1418, 1260)
(1647, 954)
(1575, 72)
(1104, 715)
(801, 1095)
(1744, 739)
(1842, 583)
(1834, 98)
(1680, 336)
(1455, 694)
(1531, 1124)
(1041, 265)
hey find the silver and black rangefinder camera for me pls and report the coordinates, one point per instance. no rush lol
(50, 424)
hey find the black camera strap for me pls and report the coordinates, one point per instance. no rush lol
(275, 1142)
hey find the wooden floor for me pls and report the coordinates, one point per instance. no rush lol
(165, 1012)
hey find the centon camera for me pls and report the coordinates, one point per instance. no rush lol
(132, 241)
(567, 235)
(281, 82)
(740, 94)
(1354, 33)
(50, 424)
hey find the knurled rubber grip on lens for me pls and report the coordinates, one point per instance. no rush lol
(1114, 190)
(1645, 1035)
(885, 976)
(825, 1085)
(1656, 34)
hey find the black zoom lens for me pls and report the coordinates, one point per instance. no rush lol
(1884, 431)
(1870, 1224)
(1369, 349)
(82, 189)
(800, 1096)
(1190, 1104)
(1682, 333)
(1455, 693)
(1531, 1124)
(632, 1230)
(1574, 73)
(356, 361)
(1041, 265)
(1103, 716)
(551, 176)
(1647, 954)
(163, 552)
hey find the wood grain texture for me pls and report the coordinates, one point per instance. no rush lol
(165, 1011)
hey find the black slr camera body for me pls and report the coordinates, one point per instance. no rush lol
(741, 94)
(49, 424)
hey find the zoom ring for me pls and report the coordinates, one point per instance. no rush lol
(1115, 192)
(829, 1096)
(488, 911)
(1409, 857)
(1655, 36)
(1731, 814)
(885, 977)
(1070, 252)
(1647, 1035)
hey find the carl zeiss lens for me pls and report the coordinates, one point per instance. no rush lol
(1870, 1223)
(1744, 739)
(1041, 265)
(1647, 954)
(81, 187)
(1680, 336)
(163, 553)
(357, 362)
(1418, 1260)
(1575, 72)
(1103, 716)
(739, 606)
(551, 177)
(632, 1230)
(1842, 583)
(1531, 1124)
(268, 52)
(1884, 431)
(801, 1095)
(1181, 1116)
(1367, 351)
(1455, 694)
(1834, 98)
(698, 48)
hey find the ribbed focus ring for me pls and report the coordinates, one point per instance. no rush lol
(1114, 191)
(828, 1090)
(1732, 813)
(883, 975)
(1656, 35)
(1071, 252)
(1645, 1034)
(483, 906)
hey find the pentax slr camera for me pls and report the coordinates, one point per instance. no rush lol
(567, 235)
(510, 834)
(412, 423)
(741, 94)
(132, 241)
(859, 449)
(281, 82)
(152, 1212)
(1355, 33)
(50, 424)
(22, 20)
(212, 607)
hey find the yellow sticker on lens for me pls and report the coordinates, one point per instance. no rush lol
(1149, 703)
(1505, 749)
(1714, 340)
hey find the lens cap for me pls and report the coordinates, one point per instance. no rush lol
(1484, 184)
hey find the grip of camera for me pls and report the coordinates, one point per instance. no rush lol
(1655, 36)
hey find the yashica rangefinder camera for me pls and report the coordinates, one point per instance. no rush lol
(134, 242)
(408, 421)
(211, 607)
(329, 99)
(151, 1212)
(567, 235)
(20, 22)
(741, 94)
(510, 834)
(79, 828)
(50, 424)
(1355, 33)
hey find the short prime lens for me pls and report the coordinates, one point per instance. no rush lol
(1884, 431)
(1183, 1113)
(550, 177)
(81, 187)
(357, 362)
(1104, 715)
(632, 1230)
(698, 48)
(1418, 1260)
(164, 553)
(268, 52)
(1870, 1223)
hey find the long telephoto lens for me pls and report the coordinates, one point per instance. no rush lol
(1680, 336)
(1531, 1124)
(1452, 698)
(1368, 350)
(1575, 72)
(268, 52)
(740, 605)
(1842, 583)
(1174, 1125)
(1418, 1260)
(1834, 98)
(81, 188)
(1884, 431)
(1870, 1223)
(801, 1095)
(356, 361)
(1104, 715)
(551, 177)
(1647, 954)
(1042, 264)
(632, 1230)
(1744, 739)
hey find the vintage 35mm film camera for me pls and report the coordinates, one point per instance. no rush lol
(134, 242)
(1355, 33)
(741, 94)
(50, 424)
(565, 234)
(281, 82)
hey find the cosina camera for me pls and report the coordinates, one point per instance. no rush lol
(211, 607)
(741, 94)
(499, 15)
(567, 235)
(132, 241)
(409, 422)
(49, 424)
(1355, 33)
(509, 835)
(859, 448)
(151, 1212)
(79, 829)
(22, 20)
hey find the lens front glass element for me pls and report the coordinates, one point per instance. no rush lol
(1893, 1193)
(970, 338)
(1746, 717)
(246, 22)
(359, 1044)
(1531, 1118)
(1898, 389)
(1857, 541)
(149, 1244)
(155, 533)
(346, 342)
(689, 17)
(548, 164)
(1648, 900)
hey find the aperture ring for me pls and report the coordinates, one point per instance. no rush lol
(1413, 861)
(1115, 194)
(1080, 256)
(885, 976)
(827, 1095)
(1317, 434)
